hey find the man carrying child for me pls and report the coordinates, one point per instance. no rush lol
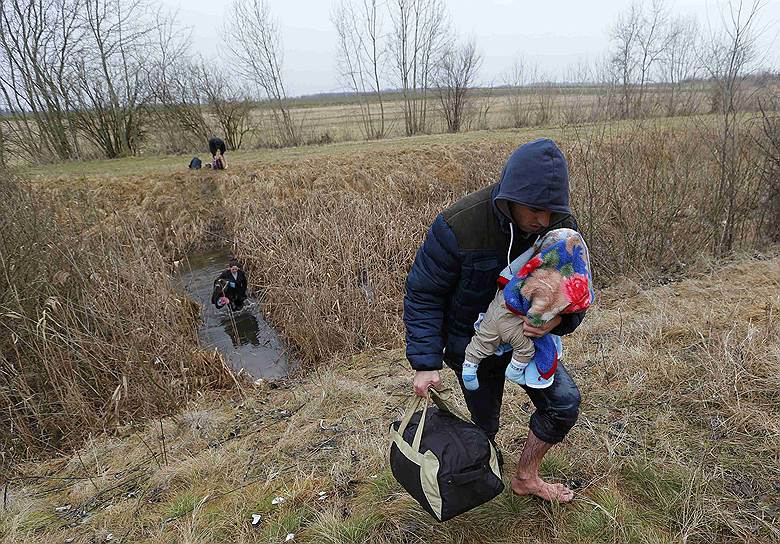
(454, 279)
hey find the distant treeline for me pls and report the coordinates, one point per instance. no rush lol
(109, 78)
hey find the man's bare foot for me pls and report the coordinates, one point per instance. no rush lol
(539, 488)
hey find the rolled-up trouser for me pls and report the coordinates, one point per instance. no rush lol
(557, 406)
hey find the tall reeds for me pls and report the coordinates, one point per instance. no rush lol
(330, 241)
(93, 331)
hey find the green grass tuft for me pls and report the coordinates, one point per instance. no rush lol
(330, 528)
(609, 517)
(181, 505)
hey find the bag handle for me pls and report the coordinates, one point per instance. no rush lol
(411, 407)
(420, 427)
(442, 399)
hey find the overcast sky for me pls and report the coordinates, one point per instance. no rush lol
(554, 34)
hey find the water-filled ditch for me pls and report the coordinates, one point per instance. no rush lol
(243, 338)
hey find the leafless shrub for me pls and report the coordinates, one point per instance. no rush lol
(361, 58)
(455, 75)
(770, 145)
(228, 104)
(483, 106)
(729, 56)
(254, 38)
(520, 76)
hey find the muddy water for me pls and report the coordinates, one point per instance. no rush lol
(243, 337)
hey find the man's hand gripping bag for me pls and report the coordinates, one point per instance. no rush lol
(446, 463)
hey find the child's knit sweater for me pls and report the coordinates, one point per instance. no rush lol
(556, 280)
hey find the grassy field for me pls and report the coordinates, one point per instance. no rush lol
(678, 362)
(677, 442)
(244, 160)
(328, 119)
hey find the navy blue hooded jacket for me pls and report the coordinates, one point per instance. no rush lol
(454, 274)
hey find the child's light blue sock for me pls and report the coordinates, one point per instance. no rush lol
(515, 372)
(469, 375)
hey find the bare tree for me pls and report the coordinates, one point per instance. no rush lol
(175, 106)
(194, 101)
(253, 36)
(729, 56)
(484, 105)
(651, 43)
(517, 80)
(580, 104)
(530, 96)
(230, 106)
(625, 36)
(456, 71)
(544, 91)
(179, 111)
(361, 57)
(112, 74)
(418, 37)
(38, 40)
(678, 63)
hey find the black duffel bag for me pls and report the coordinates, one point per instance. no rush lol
(448, 464)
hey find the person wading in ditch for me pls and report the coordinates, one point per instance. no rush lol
(230, 287)
(453, 279)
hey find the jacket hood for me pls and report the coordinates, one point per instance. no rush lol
(535, 175)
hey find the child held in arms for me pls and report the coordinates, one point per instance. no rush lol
(557, 279)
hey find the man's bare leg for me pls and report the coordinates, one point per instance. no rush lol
(527, 481)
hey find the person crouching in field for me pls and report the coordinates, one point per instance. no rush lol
(557, 279)
(230, 288)
(453, 279)
(217, 149)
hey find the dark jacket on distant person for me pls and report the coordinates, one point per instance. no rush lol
(454, 274)
(233, 288)
(216, 144)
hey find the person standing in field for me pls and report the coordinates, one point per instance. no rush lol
(454, 278)
(217, 149)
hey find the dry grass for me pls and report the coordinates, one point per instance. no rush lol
(339, 119)
(329, 240)
(93, 330)
(677, 442)
(679, 433)
(329, 235)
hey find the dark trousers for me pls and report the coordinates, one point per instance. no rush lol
(236, 302)
(557, 406)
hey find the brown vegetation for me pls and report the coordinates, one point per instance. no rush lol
(330, 241)
(101, 336)
(677, 442)
(93, 330)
